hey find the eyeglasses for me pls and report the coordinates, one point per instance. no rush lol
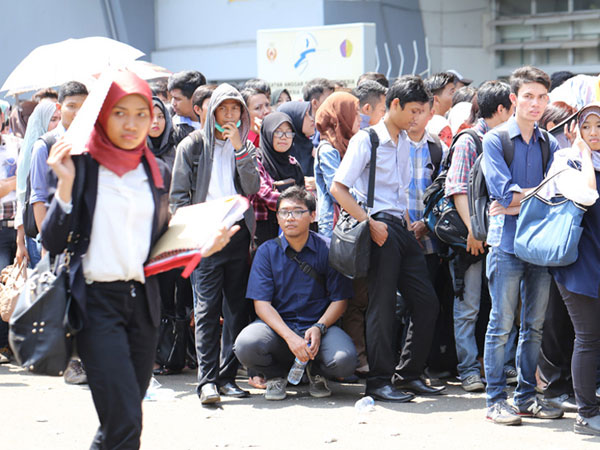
(295, 213)
(287, 134)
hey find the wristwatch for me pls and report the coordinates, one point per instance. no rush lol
(322, 328)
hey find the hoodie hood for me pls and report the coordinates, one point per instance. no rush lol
(220, 94)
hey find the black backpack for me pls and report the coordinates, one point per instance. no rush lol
(29, 224)
(479, 200)
(440, 214)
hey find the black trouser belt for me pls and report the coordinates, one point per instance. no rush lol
(390, 217)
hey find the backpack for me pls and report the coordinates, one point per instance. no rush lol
(440, 214)
(478, 196)
(29, 224)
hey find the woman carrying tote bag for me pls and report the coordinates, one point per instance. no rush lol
(123, 211)
(579, 283)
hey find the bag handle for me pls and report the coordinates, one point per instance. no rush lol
(541, 185)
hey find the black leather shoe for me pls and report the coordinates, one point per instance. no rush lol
(389, 393)
(418, 387)
(209, 394)
(565, 402)
(230, 389)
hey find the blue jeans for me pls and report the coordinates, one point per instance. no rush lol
(34, 249)
(465, 319)
(508, 275)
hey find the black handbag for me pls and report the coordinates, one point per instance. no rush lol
(45, 319)
(350, 248)
(171, 349)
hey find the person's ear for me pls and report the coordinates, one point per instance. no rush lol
(513, 98)
(313, 216)
(197, 111)
(366, 109)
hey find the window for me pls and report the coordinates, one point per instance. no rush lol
(515, 33)
(586, 55)
(551, 6)
(514, 7)
(586, 4)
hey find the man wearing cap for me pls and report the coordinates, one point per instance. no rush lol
(460, 80)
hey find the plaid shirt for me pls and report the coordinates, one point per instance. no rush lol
(422, 176)
(266, 197)
(463, 158)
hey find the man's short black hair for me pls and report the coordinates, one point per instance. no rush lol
(558, 78)
(464, 94)
(186, 81)
(248, 92)
(370, 92)
(71, 88)
(315, 88)
(408, 88)
(300, 195)
(438, 81)
(159, 88)
(260, 85)
(44, 93)
(490, 95)
(528, 74)
(202, 93)
(374, 76)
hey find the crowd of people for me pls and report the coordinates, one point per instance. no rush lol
(264, 297)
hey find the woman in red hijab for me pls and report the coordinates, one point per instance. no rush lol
(113, 200)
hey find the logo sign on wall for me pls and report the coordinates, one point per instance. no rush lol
(290, 57)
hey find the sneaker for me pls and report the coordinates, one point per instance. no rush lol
(75, 373)
(565, 402)
(6, 355)
(276, 389)
(503, 414)
(317, 384)
(589, 426)
(538, 408)
(511, 375)
(473, 383)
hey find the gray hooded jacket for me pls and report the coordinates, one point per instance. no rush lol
(194, 159)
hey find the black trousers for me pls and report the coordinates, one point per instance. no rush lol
(117, 347)
(557, 347)
(219, 285)
(585, 314)
(398, 265)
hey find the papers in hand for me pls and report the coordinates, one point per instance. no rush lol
(191, 230)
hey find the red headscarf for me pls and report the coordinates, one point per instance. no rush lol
(335, 118)
(103, 150)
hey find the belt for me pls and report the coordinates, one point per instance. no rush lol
(120, 286)
(390, 217)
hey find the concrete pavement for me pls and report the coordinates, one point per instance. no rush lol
(45, 413)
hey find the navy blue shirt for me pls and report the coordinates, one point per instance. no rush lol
(583, 276)
(298, 298)
(525, 171)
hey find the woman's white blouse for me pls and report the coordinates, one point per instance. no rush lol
(121, 228)
(571, 183)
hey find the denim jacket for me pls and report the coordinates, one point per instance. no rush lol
(327, 162)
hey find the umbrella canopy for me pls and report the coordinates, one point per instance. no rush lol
(73, 59)
(148, 71)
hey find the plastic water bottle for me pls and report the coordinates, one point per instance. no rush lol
(363, 407)
(496, 225)
(297, 371)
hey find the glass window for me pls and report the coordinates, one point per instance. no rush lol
(514, 7)
(586, 30)
(512, 58)
(550, 6)
(586, 55)
(554, 32)
(586, 4)
(515, 33)
(558, 56)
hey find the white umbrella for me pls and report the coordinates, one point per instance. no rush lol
(73, 59)
(148, 71)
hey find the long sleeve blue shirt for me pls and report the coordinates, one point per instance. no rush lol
(525, 171)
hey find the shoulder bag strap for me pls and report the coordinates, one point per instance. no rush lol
(304, 266)
(372, 166)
